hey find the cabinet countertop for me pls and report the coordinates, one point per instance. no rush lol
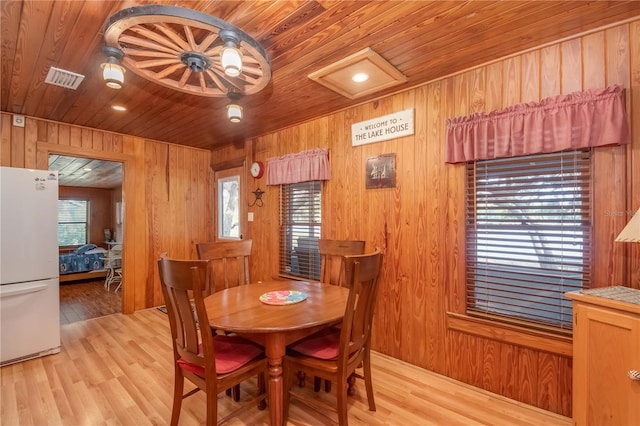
(617, 297)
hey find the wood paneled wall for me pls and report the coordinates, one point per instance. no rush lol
(420, 222)
(166, 192)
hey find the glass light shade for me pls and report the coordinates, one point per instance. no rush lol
(113, 74)
(234, 113)
(231, 60)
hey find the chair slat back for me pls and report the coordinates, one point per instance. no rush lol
(181, 280)
(362, 273)
(331, 257)
(229, 262)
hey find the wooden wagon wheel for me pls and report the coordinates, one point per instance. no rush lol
(180, 48)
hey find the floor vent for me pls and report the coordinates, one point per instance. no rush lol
(64, 78)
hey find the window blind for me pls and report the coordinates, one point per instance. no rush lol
(72, 222)
(528, 229)
(300, 226)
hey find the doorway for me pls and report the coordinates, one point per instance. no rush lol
(231, 222)
(91, 221)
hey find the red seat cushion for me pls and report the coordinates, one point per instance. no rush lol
(324, 344)
(232, 352)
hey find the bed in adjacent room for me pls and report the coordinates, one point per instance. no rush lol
(85, 262)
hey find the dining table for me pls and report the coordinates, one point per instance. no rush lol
(259, 313)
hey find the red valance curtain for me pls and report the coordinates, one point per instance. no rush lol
(300, 167)
(578, 120)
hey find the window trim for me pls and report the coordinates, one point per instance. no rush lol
(224, 174)
(221, 212)
(513, 326)
(510, 334)
(282, 262)
(87, 222)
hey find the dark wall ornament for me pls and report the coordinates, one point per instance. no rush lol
(381, 171)
(258, 201)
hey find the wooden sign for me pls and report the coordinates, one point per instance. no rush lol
(382, 128)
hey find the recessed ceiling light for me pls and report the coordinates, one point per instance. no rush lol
(339, 75)
(118, 107)
(360, 77)
(87, 169)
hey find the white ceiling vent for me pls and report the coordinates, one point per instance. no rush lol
(64, 78)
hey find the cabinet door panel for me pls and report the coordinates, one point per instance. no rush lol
(606, 347)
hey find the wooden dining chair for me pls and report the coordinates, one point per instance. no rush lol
(331, 252)
(229, 262)
(332, 272)
(214, 363)
(334, 354)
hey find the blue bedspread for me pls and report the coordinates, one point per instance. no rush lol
(82, 260)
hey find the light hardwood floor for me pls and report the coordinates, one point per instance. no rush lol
(117, 370)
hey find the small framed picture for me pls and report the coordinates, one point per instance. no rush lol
(381, 171)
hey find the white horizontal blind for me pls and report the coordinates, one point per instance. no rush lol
(72, 222)
(300, 225)
(528, 237)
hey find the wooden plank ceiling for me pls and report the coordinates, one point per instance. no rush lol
(86, 172)
(425, 40)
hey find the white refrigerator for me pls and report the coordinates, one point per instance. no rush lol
(29, 274)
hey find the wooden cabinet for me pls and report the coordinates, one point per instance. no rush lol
(606, 349)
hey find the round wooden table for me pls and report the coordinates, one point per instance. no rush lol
(240, 310)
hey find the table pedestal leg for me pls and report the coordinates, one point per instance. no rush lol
(275, 350)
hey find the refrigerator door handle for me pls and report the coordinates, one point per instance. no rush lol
(22, 290)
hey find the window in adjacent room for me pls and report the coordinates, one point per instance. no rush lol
(73, 222)
(300, 219)
(528, 228)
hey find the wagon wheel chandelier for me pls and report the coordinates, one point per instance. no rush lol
(184, 50)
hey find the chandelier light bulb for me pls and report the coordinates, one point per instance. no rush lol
(112, 71)
(230, 56)
(231, 59)
(113, 74)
